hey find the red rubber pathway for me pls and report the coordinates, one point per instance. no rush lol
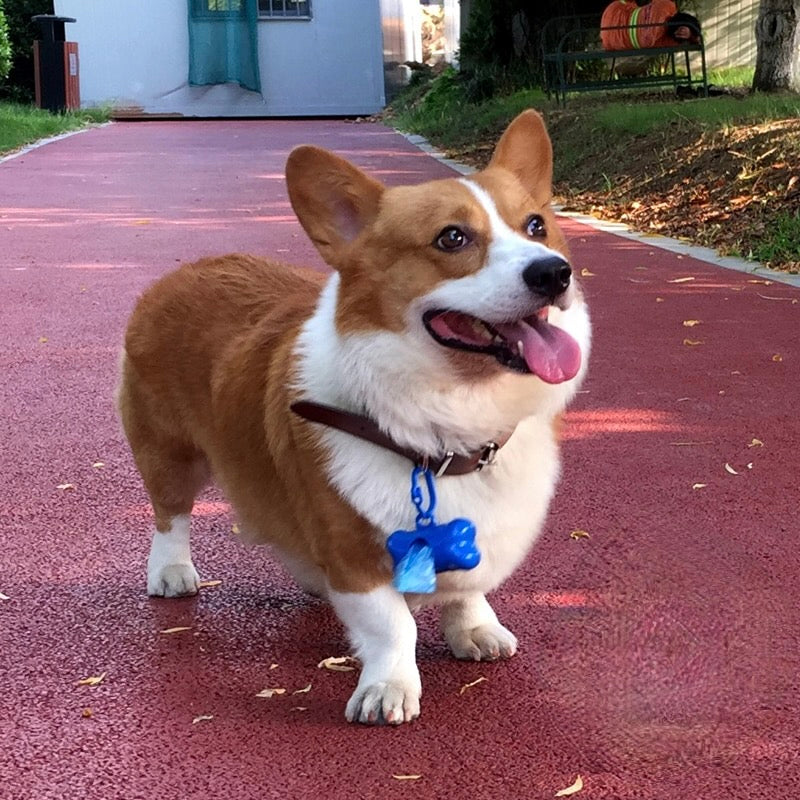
(659, 656)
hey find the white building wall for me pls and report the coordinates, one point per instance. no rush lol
(137, 54)
(129, 52)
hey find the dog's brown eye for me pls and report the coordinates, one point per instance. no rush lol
(535, 226)
(452, 238)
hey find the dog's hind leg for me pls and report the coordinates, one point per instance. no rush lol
(170, 570)
(472, 629)
(173, 473)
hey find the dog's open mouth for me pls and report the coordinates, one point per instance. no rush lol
(529, 345)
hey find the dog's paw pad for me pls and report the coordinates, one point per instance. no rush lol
(173, 580)
(484, 643)
(384, 703)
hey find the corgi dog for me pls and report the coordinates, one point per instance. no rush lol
(450, 334)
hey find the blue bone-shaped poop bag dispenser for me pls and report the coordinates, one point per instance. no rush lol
(430, 548)
(419, 554)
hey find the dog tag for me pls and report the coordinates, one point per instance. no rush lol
(430, 548)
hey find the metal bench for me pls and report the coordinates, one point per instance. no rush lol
(573, 60)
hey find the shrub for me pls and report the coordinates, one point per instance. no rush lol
(21, 35)
(5, 46)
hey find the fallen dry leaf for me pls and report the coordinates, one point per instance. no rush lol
(65, 486)
(579, 534)
(209, 584)
(178, 629)
(42, 339)
(98, 465)
(777, 357)
(699, 485)
(235, 529)
(304, 690)
(470, 685)
(690, 323)
(756, 443)
(270, 692)
(681, 280)
(202, 718)
(337, 664)
(585, 273)
(659, 299)
(769, 297)
(273, 666)
(692, 342)
(749, 465)
(406, 777)
(729, 468)
(92, 680)
(573, 789)
(87, 713)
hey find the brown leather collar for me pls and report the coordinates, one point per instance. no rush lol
(365, 428)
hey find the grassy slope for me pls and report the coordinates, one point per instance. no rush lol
(21, 125)
(720, 171)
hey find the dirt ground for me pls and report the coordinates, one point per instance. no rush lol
(723, 189)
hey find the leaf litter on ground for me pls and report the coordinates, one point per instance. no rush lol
(92, 680)
(466, 686)
(573, 789)
(338, 663)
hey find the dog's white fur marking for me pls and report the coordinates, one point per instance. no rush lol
(384, 638)
(170, 571)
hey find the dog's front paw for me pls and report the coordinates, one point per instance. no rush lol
(387, 702)
(485, 643)
(173, 580)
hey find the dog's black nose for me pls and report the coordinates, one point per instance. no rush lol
(547, 276)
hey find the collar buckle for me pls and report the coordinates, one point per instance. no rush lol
(488, 457)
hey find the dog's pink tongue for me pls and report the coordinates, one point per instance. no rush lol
(550, 352)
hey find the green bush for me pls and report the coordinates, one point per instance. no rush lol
(5, 46)
(21, 35)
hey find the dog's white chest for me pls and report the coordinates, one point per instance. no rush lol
(507, 501)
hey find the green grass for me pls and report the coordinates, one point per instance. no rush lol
(738, 77)
(21, 125)
(594, 132)
(619, 117)
(783, 243)
(440, 111)
(443, 114)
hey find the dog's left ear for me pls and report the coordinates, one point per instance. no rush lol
(525, 150)
(333, 199)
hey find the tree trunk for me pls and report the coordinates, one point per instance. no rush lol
(778, 46)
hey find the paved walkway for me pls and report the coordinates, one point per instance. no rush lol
(659, 657)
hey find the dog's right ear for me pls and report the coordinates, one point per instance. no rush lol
(333, 199)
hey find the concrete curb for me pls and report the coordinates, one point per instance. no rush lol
(705, 254)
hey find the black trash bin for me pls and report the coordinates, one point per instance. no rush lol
(55, 63)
